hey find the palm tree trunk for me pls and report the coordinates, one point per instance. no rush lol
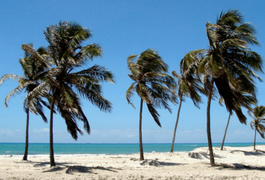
(255, 138)
(25, 157)
(140, 132)
(176, 125)
(210, 146)
(222, 146)
(52, 162)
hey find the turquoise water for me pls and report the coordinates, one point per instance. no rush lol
(62, 148)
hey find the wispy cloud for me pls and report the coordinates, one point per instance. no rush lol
(44, 130)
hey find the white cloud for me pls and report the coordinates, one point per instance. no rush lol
(44, 130)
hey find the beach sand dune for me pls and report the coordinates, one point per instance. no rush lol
(232, 163)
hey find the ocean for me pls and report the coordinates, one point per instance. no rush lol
(94, 148)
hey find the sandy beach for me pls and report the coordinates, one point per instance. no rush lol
(232, 163)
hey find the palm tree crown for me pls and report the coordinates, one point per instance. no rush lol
(151, 81)
(67, 54)
(152, 84)
(229, 60)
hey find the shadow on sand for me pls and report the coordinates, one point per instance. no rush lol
(247, 153)
(79, 169)
(201, 155)
(157, 163)
(40, 164)
(68, 168)
(84, 169)
(238, 166)
(43, 164)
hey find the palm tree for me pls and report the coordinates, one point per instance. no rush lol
(152, 84)
(33, 69)
(258, 114)
(245, 99)
(187, 85)
(67, 54)
(228, 60)
(66, 84)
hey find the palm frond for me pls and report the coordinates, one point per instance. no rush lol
(154, 114)
(17, 90)
(92, 92)
(129, 93)
(40, 91)
(97, 72)
(92, 50)
(10, 76)
(29, 49)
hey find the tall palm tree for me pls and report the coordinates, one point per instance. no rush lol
(228, 59)
(152, 84)
(66, 85)
(187, 84)
(258, 124)
(33, 69)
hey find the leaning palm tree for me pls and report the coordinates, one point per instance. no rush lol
(245, 99)
(228, 59)
(65, 84)
(187, 84)
(152, 84)
(33, 70)
(258, 124)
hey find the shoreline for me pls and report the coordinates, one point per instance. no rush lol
(232, 163)
(105, 148)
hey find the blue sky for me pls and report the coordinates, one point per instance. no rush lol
(122, 28)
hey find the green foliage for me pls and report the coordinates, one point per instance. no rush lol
(258, 124)
(66, 85)
(229, 61)
(151, 82)
(33, 67)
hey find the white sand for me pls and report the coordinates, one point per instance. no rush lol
(233, 163)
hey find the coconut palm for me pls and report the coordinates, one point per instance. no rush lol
(152, 84)
(228, 60)
(66, 84)
(33, 69)
(258, 124)
(187, 84)
(245, 99)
